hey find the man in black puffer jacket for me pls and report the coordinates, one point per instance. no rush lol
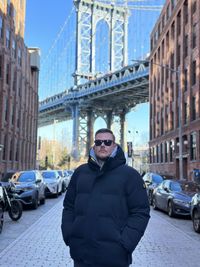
(106, 208)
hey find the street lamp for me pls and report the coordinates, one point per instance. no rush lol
(54, 141)
(178, 73)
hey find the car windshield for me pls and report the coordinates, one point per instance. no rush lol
(61, 173)
(49, 175)
(157, 179)
(26, 177)
(190, 187)
(175, 187)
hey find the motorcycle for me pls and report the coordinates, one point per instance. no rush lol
(9, 203)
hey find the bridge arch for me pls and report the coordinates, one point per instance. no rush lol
(102, 47)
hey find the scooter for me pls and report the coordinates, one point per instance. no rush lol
(10, 204)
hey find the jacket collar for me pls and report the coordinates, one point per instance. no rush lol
(116, 158)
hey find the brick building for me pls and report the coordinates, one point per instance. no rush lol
(19, 69)
(175, 90)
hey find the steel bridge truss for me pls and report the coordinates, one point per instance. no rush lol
(89, 14)
(113, 94)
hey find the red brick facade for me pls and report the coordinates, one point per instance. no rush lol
(175, 66)
(18, 99)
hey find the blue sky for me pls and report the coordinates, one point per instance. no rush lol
(44, 19)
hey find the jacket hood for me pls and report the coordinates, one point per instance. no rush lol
(116, 159)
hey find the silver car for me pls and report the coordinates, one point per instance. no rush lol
(53, 182)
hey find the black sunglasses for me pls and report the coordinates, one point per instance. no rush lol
(100, 142)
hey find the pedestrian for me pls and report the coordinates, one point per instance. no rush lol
(106, 208)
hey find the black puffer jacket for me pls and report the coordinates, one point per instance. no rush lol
(105, 213)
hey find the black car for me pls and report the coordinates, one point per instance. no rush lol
(174, 197)
(30, 187)
(8, 175)
(1, 208)
(195, 212)
(152, 180)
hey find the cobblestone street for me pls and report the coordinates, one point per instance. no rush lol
(41, 245)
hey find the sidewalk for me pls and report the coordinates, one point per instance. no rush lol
(41, 245)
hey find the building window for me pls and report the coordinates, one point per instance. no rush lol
(8, 8)
(178, 55)
(186, 46)
(194, 7)
(171, 148)
(179, 23)
(17, 152)
(185, 113)
(168, 12)
(163, 21)
(173, 31)
(13, 114)
(194, 36)
(11, 150)
(15, 81)
(19, 57)
(186, 11)
(172, 4)
(7, 74)
(1, 66)
(8, 38)
(172, 60)
(172, 121)
(185, 80)
(5, 148)
(6, 103)
(157, 153)
(193, 72)
(167, 41)
(14, 17)
(1, 27)
(193, 108)
(193, 146)
(161, 152)
(13, 48)
(166, 151)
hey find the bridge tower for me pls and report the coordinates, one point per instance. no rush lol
(89, 14)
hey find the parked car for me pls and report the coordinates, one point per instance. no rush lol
(1, 208)
(65, 179)
(195, 212)
(30, 187)
(152, 180)
(174, 197)
(53, 182)
(69, 174)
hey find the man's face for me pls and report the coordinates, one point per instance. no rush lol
(103, 151)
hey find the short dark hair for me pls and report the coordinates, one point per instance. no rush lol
(105, 130)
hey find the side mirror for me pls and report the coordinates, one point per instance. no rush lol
(166, 189)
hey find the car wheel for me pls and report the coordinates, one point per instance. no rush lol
(1, 219)
(196, 221)
(170, 209)
(56, 194)
(154, 203)
(63, 187)
(43, 200)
